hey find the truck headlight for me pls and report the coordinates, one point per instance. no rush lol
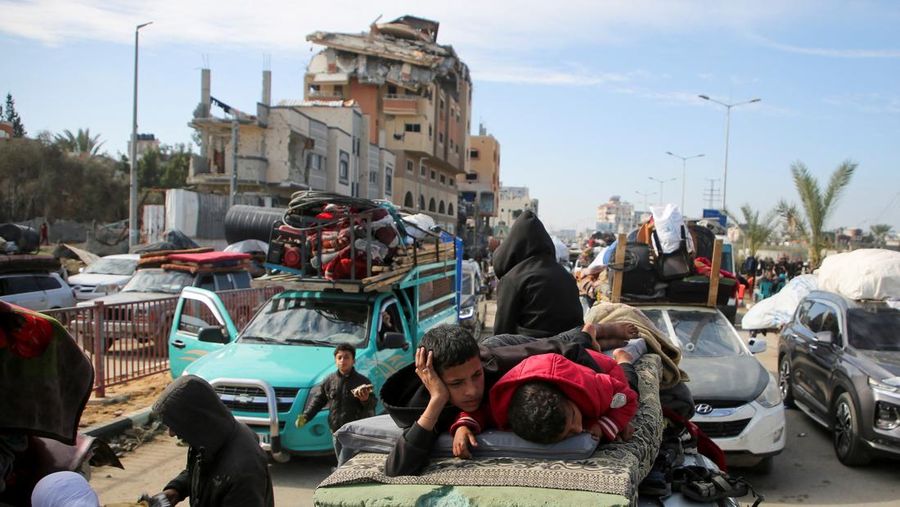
(891, 385)
(771, 395)
(467, 313)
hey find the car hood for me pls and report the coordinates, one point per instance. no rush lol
(725, 378)
(98, 279)
(128, 297)
(279, 365)
(889, 361)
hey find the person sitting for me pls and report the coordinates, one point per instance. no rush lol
(548, 398)
(449, 382)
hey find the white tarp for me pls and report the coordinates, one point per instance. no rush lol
(868, 273)
(562, 251)
(777, 310)
(669, 224)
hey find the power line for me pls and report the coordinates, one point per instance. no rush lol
(711, 194)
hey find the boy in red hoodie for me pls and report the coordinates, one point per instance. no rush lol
(548, 398)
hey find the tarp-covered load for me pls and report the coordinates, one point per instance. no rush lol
(775, 311)
(868, 273)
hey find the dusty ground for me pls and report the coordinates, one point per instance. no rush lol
(125, 398)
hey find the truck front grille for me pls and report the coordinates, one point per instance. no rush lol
(723, 429)
(253, 399)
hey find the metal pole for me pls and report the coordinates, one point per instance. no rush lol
(235, 125)
(133, 232)
(683, 179)
(725, 177)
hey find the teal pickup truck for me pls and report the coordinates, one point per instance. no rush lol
(268, 372)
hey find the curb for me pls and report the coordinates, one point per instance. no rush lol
(110, 429)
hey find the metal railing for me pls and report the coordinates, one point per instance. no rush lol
(128, 341)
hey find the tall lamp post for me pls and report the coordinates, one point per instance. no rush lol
(683, 173)
(645, 195)
(661, 183)
(133, 232)
(727, 128)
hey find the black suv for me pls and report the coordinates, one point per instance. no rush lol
(839, 361)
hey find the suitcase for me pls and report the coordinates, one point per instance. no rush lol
(639, 277)
(695, 289)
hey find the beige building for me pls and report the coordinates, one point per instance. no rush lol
(513, 201)
(416, 96)
(295, 145)
(479, 193)
(145, 143)
(615, 216)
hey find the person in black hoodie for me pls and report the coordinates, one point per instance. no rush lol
(225, 464)
(536, 297)
(418, 399)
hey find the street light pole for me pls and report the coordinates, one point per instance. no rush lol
(133, 232)
(661, 182)
(683, 173)
(727, 128)
(645, 195)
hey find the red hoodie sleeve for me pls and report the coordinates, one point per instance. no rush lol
(609, 366)
(477, 421)
(619, 415)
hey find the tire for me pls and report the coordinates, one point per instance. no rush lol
(784, 381)
(848, 447)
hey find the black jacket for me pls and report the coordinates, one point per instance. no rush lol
(225, 465)
(344, 406)
(536, 296)
(405, 398)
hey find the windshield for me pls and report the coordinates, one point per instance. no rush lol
(157, 280)
(309, 322)
(468, 284)
(874, 329)
(701, 334)
(123, 267)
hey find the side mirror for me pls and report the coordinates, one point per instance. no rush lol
(757, 345)
(824, 337)
(394, 341)
(212, 335)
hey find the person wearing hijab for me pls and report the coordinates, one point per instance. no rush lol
(64, 489)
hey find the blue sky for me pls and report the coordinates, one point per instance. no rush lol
(586, 97)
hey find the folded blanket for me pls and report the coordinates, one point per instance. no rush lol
(657, 341)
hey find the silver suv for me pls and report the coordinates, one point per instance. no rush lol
(839, 361)
(36, 291)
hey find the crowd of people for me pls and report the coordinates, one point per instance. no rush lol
(766, 277)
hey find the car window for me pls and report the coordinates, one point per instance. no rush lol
(223, 282)
(48, 283)
(206, 281)
(874, 329)
(704, 334)
(389, 321)
(195, 315)
(105, 266)
(830, 323)
(309, 322)
(158, 280)
(468, 283)
(656, 317)
(803, 313)
(815, 316)
(241, 279)
(19, 285)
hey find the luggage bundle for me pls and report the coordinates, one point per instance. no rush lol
(336, 237)
(669, 260)
(195, 260)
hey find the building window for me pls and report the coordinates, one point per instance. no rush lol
(442, 104)
(388, 180)
(432, 205)
(433, 175)
(421, 201)
(441, 208)
(450, 209)
(344, 167)
(412, 127)
(373, 177)
(441, 137)
(452, 182)
(429, 132)
(392, 90)
(473, 154)
(315, 162)
(443, 179)
(409, 166)
(422, 170)
(408, 200)
(338, 90)
(471, 176)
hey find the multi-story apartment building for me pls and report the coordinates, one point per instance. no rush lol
(295, 145)
(513, 201)
(479, 192)
(145, 143)
(615, 216)
(416, 95)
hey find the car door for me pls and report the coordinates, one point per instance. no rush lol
(824, 356)
(23, 290)
(390, 319)
(803, 362)
(197, 309)
(57, 292)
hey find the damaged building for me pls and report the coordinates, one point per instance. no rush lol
(417, 96)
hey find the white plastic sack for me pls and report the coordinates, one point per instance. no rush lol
(669, 223)
(868, 273)
(562, 251)
(777, 310)
(418, 224)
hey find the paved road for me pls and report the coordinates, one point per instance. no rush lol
(806, 473)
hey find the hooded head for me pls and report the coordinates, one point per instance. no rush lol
(64, 489)
(191, 409)
(527, 238)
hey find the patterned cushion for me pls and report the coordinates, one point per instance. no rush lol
(615, 468)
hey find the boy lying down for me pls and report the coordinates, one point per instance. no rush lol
(452, 375)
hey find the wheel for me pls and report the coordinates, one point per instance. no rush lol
(849, 448)
(784, 381)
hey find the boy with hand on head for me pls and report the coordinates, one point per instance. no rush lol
(548, 398)
(349, 392)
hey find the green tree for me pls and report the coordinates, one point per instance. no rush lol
(880, 232)
(817, 205)
(756, 232)
(148, 170)
(174, 172)
(81, 143)
(13, 117)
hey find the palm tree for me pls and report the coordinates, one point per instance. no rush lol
(816, 205)
(880, 231)
(81, 144)
(756, 232)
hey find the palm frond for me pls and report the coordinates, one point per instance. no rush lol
(840, 178)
